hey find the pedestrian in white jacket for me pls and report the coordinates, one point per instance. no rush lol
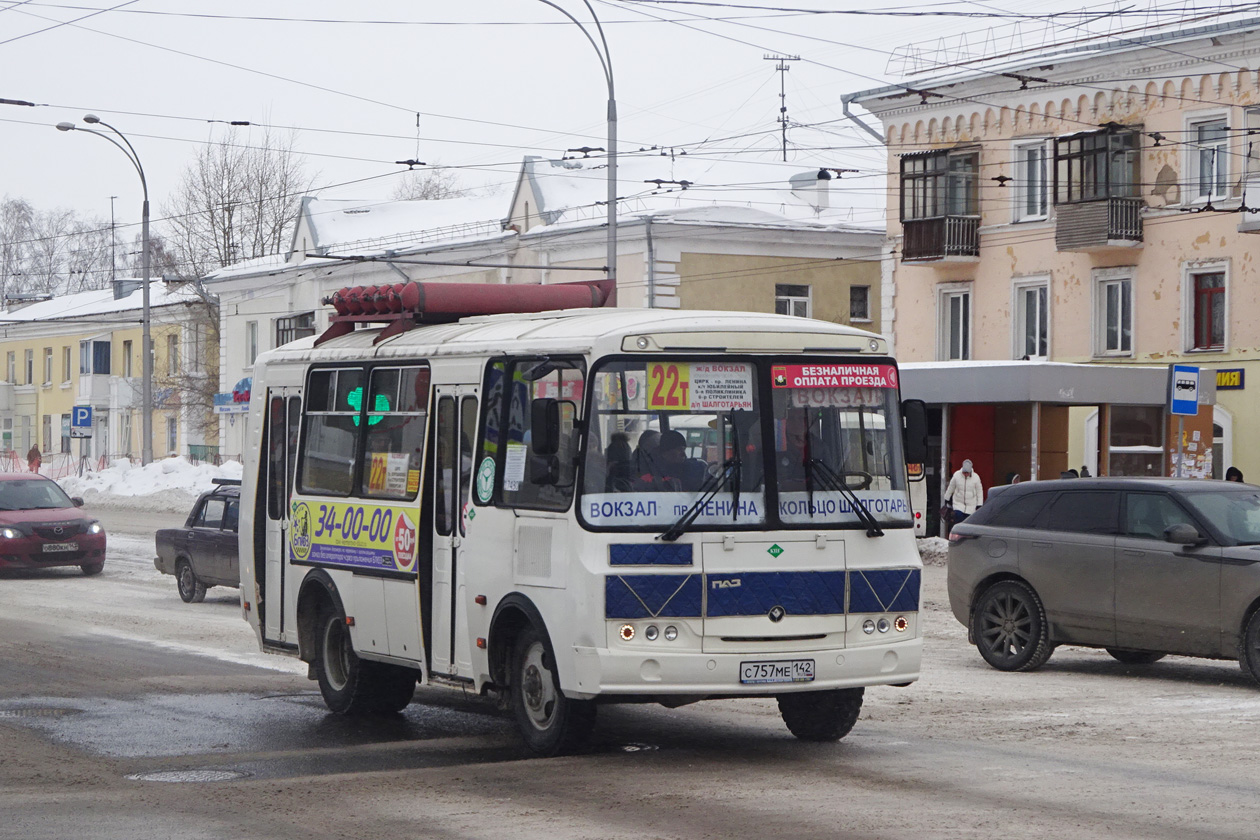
(965, 492)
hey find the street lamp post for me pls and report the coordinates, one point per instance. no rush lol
(146, 344)
(605, 60)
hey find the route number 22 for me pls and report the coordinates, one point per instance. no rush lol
(668, 385)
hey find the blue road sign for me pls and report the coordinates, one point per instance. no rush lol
(81, 416)
(1183, 390)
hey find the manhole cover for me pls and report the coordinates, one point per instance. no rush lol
(189, 776)
(37, 713)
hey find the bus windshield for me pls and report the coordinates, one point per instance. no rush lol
(694, 439)
(835, 460)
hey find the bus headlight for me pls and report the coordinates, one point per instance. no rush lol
(901, 624)
(627, 632)
(883, 625)
(868, 627)
(651, 633)
(671, 633)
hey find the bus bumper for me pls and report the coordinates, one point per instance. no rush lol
(601, 672)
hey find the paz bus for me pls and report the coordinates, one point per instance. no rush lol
(499, 503)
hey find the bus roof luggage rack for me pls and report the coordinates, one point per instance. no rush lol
(404, 306)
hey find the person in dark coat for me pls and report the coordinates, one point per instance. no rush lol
(1233, 474)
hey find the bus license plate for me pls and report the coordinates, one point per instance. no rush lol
(59, 546)
(778, 671)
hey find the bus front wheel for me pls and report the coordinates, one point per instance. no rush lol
(821, 715)
(549, 722)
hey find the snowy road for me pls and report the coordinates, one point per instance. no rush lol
(112, 676)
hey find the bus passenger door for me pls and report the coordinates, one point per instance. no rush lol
(284, 411)
(455, 431)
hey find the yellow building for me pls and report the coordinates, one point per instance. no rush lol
(84, 350)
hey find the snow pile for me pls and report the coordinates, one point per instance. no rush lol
(170, 485)
(933, 550)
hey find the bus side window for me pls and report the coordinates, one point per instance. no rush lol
(397, 408)
(331, 442)
(526, 477)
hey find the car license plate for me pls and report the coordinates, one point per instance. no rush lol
(777, 671)
(60, 547)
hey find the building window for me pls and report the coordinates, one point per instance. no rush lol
(1032, 320)
(251, 342)
(172, 354)
(65, 433)
(1030, 181)
(1209, 159)
(294, 327)
(48, 365)
(859, 303)
(47, 438)
(94, 357)
(941, 183)
(955, 324)
(126, 359)
(124, 433)
(12, 368)
(1208, 307)
(65, 364)
(1114, 316)
(30, 367)
(791, 300)
(1095, 165)
(172, 436)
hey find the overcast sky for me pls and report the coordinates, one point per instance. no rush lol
(492, 81)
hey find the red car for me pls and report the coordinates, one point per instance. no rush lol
(41, 526)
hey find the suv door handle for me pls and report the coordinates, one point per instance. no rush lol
(1039, 544)
(1133, 552)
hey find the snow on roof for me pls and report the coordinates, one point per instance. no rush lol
(716, 191)
(339, 222)
(101, 302)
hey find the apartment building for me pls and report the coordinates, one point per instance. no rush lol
(84, 350)
(1099, 205)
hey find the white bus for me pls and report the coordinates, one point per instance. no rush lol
(501, 505)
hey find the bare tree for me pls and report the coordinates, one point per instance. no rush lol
(17, 220)
(428, 185)
(235, 203)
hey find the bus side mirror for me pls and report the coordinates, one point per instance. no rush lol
(914, 431)
(544, 426)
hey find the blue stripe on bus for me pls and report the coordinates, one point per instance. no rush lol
(649, 554)
(884, 590)
(652, 596)
(755, 593)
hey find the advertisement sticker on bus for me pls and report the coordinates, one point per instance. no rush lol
(834, 376)
(353, 536)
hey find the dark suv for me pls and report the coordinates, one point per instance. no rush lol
(1141, 567)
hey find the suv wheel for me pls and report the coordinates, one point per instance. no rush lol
(1009, 626)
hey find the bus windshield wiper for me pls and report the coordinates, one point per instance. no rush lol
(832, 481)
(711, 487)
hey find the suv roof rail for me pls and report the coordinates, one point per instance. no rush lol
(234, 482)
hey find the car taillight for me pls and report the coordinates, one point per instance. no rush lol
(955, 537)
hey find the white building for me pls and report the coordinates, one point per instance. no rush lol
(692, 233)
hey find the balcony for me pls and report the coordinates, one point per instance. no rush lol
(954, 238)
(93, 390)
(1098, 225)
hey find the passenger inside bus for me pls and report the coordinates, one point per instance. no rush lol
(673, 470)
(619, 460)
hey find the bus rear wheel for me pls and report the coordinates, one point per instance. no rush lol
(821, 715)
(353, 686)
(549, 722)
